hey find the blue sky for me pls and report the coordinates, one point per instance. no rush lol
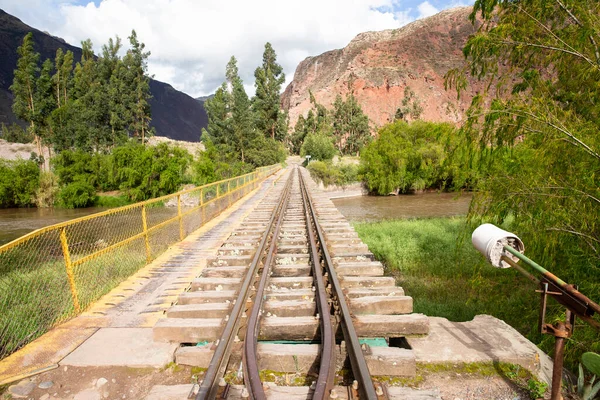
(192, 40)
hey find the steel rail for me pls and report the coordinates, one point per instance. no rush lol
(250, 358)
(326, 377)
(218, 363)
(360, 369)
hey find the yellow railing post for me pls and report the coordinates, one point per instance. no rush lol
(180, 217)
(218, 186)
(65, 248)
(202, 208)
(229, 193)
(146, 238)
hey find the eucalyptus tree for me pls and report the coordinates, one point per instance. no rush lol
(350, 125)
(266, 104)
(24, 87)
(539, 115)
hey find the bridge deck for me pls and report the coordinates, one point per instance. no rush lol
(117, 330)
(134, 306)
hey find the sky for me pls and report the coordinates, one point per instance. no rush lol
(191, 41)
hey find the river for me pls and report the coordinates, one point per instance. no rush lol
(16, 222)
(377, 208)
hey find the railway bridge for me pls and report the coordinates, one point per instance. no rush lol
(257, 287)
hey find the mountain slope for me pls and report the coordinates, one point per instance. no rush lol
(378, 66)
(174, 114)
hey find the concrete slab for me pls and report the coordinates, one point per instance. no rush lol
(170, 392)
(43, 353)
(484, 339)
(130, 347)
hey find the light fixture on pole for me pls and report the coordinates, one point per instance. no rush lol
(504, 250)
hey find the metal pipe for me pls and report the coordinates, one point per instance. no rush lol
(561, 332)
(570, 289)
(520, 269)
(533, 264)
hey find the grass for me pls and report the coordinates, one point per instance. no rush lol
(111, 201)
(435, 262)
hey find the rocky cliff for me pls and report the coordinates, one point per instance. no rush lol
(378, 66)
(174, 114)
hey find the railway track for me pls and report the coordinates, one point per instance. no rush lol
(294, 293)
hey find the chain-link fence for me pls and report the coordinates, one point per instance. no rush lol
(54, 273)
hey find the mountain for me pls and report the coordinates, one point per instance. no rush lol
(378, 66)
(174, 114)
(202, 99)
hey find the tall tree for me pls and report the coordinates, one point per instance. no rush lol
(24, 87)
(350, 125)
(90, 109)
(121, 96)
(266, 103)
(241, 117)
(45, 101)
(136, 61)
(217, 110)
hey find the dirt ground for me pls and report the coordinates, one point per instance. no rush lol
(95, 383)
(456, 387)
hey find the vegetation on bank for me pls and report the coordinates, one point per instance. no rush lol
(247, 132)
(412, 157)
(435, 262)
(327, 173)
(94, 119)
(92, 104)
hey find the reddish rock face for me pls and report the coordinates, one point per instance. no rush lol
(378, 66)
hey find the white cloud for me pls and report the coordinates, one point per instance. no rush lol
(191, 41)
(426, 10)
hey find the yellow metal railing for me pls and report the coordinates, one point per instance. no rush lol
(56, 272)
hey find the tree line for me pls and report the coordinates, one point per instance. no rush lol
(93, 104)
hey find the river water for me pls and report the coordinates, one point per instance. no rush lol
(377, 208)
(16, 222)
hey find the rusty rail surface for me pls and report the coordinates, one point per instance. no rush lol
(214, 373)
(330, 300)
(250, 359)
(360, 370)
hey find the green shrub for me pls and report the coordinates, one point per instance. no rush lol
(329, 174)
(319, 146)
(266, 151)
(19, 181)
(78, 165)
(15, 134)
(408, 157)
(323, 172)
(77, 195)
(144, 172)
(47, 193)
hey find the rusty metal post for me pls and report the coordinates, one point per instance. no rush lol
(69, 267)
(181, 235)
(146, 237)
(561, 331)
